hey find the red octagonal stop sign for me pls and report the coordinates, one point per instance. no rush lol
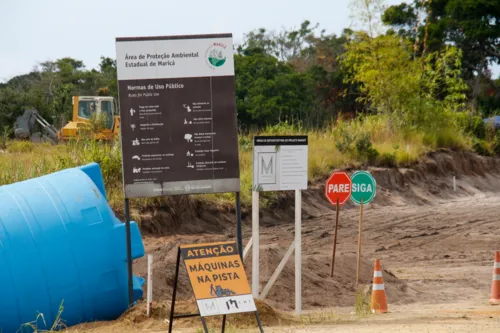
(338, 187)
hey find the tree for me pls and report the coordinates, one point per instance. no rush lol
(287, 45)
(270, 91)
(366, 14)
(471, 25)
(414, 93)
(108, 75)
(61, 105)
(50, 86)
(334, 94)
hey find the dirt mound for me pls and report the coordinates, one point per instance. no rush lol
(169, 216)
(160, 315)
(422, 183)
(319, 289)
(428, 183)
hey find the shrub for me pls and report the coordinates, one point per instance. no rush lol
(21, 147)
(481, 147)
(344, 141)
(472, 125)
(496, 144)
(245, 143)
(387, 160)
(364, 148)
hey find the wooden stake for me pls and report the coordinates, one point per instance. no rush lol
(335, 237)
(150, 285)
(359, 239)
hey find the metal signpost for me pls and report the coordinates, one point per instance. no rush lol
(364, 188)
(280, 163)
(178, 118)
(337, 191)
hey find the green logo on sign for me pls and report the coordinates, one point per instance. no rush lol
(363, 187)
(215, 55)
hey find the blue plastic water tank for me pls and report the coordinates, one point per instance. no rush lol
(61, 244)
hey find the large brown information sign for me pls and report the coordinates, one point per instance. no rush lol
(178, 115)
(218, 278)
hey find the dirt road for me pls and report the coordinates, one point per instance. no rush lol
(441, 253)
(434, 253)
(461, 317)
(438, 262)
(436, 246)
(437, 258)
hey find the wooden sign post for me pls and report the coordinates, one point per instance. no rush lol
(364, 188)
(337, 191)
(219, 282)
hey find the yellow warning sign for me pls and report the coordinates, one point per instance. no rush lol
(218, 278)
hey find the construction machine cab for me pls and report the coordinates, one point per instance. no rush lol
(99, 107)
(92, 110)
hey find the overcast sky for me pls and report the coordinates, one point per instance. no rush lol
(86, 29)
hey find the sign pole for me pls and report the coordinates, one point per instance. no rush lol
(150, 285)
(298, 252)
(239, 232)
(364, 189)
(174, 293)
(223, 324)
(255, 246)
(259, 322)
(338, 188)
(359, 239)
(335, 237)
(172, 306)
(129, 253)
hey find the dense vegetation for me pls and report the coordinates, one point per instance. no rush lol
(407, 79)
(305, 75)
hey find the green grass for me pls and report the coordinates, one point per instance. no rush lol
(335, 146)
(362, 306)
(56, 326)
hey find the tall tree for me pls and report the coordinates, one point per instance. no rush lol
(269, 90)
(471, 25)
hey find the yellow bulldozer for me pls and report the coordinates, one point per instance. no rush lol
(88, 110)
(94, 115)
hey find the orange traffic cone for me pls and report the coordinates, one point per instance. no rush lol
(495, 285)
(379, 301)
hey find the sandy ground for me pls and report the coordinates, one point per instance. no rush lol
(434, 253)
(438, 262)
(461, 317)
(436, 247)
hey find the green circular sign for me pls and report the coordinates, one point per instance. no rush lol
(364, 187)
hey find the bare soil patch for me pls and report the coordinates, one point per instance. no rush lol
(436, 246)
(426, 234)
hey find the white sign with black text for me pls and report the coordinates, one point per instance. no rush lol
(280, 163)
(226, 305)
